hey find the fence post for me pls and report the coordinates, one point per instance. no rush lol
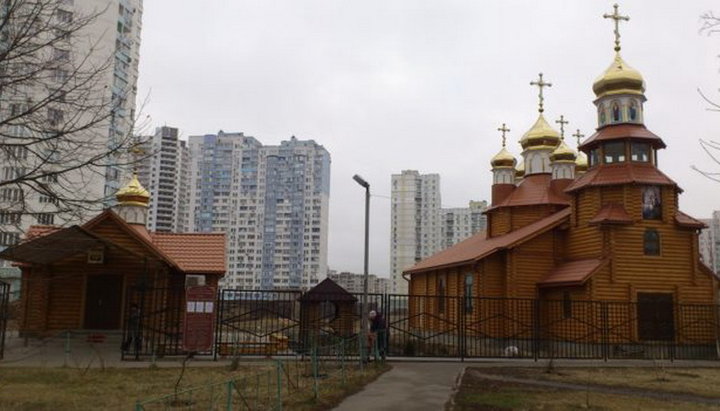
(315, 373)
(461, 327)
(605, 330)
(342, 359)
(67, 347)
(536, 329)
(219, 305)
(228, 400)
(279, 385)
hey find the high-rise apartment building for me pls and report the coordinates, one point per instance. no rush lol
(414, 222)
(164, 171)
(354, 283)
(420, 227)
(272, 203)
(706, 243)
(107, 44)
(462, 222)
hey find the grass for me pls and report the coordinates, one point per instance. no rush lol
(478, 393)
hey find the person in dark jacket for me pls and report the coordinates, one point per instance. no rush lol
(378, 334)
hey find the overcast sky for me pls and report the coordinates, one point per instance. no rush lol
(393, 85)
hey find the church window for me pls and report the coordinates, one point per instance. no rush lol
(594, 157)
(615, 113)
(441, 287)
(601, 115)
(651, 203)
(614, 152)
(468, 293)
(651, 242)
(633, 111)
(640, 152)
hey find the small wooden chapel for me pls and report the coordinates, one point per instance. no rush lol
(81, 277)
(601, 224)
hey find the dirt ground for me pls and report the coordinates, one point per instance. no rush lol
(588, 388)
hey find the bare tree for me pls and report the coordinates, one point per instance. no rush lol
(710, 24)
(64, 129)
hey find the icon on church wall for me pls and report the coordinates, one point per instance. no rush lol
(652, 203)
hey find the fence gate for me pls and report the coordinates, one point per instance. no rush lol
(4, 314)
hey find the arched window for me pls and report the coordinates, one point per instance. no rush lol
(651, 242)
(615, 113)
(633, 110)
(601, 114)
(468, 293)
(441, 287)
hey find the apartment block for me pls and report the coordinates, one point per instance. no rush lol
(271, 201)
(462, 222)
(353, 283)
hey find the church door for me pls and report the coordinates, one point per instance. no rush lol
(655, 316)
(103, 302)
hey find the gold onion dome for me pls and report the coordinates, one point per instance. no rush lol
(503, 159)
(520, 171)
(581, 163)
(541, 135)
(133, 193)
(619, 78)
(563, 153)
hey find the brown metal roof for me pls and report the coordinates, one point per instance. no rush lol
(193, 252)
(478, 247)
(619, 131)
(327, 290)
(572, 273)
(612, 213)
(533, 190)
(685, 220)
(621, 173)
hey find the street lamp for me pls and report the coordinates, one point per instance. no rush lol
(363, 305)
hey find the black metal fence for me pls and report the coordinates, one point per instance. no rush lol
(277, 323)
(4, 314)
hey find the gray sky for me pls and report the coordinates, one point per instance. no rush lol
(393, 85)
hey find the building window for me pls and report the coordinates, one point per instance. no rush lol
(10, 218)
(9, 238)
(651, 203)
(567, 305)
(614, 152)
(594, 157)
(468, 293)
(633, 111)
(45, 218)
(615, 113)
(441, 287)
(640, 152)
(651, 242)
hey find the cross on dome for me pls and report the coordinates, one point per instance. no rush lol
(562, 123)
(540, 83)
(504, 130)
(578, 135)
(617, 18)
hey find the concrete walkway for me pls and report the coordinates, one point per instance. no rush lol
(408, 386)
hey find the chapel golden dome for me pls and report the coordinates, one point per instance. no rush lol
(563, 153)
(520, 171)
(133, 193)
(581, 163)
(503, 159)
(619, 78)
(540, 135)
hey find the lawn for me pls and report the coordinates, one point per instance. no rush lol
(120, 388)
(478, 392)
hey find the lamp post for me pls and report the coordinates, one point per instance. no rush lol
(363, 305)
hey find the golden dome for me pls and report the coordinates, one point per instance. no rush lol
(540, 135)
(503, 159)
(520, 171)
(581, 163)
(133, 193)
(619, 78)
(563, 153)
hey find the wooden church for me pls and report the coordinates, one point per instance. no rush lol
(602, 224)
(87, 276)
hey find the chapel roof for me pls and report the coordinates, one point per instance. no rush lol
(572, 273)
(612, 213)
(620, 173)
(534, 189)
(616, 131)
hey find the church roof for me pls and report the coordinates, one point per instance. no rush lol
(478, 246)
(194, 252)
(620, 173)
(572, 273)
(327, 290)
(534, 189)
(612, 213)
(685, 220)
(616, 131)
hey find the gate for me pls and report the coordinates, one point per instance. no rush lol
(4, 314)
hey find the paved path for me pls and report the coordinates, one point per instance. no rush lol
(423, 386)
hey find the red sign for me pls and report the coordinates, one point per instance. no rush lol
(199, 318)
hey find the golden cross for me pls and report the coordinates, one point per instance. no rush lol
(562, 123)
(617, 17)
(540, 83)
(504, 130)
(578, 135)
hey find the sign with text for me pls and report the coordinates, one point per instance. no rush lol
(199, 318)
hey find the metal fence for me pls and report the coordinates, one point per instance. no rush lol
(4, 313)
(278, 323)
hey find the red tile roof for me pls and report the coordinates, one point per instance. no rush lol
(612, 213)
(532, 190)
(35, 231)
(572, 273)
(193, 252)
(478, 247)
(618, 131)
(621, 173)
(685, 220)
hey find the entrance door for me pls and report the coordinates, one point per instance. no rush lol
(655, 315)
(103, 302)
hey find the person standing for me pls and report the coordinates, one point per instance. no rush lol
(377, 339)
